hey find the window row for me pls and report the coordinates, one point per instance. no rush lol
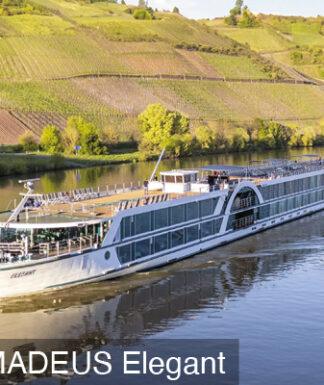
(158, 219)
(149, 246)
(290, 204)
(291, 187)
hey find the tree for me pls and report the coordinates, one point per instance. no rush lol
(123, 2)
(206, 137)
(232, 18)
(28, 141)
(142, 14)
(248, 19)
(142, 3)
(71, 134)
(239, 139)
(89, 140)
(176, 10)
(80, 133)
(51, 139)
(239, 5)
(274, 135)
(163, 128)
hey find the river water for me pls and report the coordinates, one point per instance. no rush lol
(266, 290)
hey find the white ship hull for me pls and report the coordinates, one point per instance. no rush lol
(26, 278)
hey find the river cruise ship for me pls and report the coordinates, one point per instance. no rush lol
(52, 241)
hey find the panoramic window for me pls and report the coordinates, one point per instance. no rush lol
(142, 223)
(124, 253)
(160, 219)
(217, 225)
(160, 243)
(192, 211)
(126, 227)
(177, 238)
(206, 229)
(177, 214)
(192, 233)
(207, 207)
(142, 248)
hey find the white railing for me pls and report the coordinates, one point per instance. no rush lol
(15, 251)
(66, 246)
(84, 194)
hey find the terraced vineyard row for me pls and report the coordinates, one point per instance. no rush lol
(10, 128)
(36, 121)
(46, 57)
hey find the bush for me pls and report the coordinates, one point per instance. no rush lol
(12, 148)
(248, 19)
(296, 57)
(142, 14)
(231, 20)
(51, 140)
(28, 142)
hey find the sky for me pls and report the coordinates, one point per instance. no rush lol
(199, 9)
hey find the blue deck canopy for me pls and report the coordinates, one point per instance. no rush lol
(229, 169)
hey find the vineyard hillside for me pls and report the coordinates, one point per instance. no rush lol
(94, 59)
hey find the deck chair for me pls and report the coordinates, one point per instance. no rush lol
(75, 195)
(80, 194)
(50, 198)
(57, 197)
(138, 202)
(44, 201)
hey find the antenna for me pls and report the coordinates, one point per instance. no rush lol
(157, 165)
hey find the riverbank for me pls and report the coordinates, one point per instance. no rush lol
(12, 164)
(19, 164)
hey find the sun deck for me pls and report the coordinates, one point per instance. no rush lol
(100, 208)
(89, 205)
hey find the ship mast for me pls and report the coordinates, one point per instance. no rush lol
(29, 185)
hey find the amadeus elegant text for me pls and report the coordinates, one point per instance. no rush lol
(133, 362)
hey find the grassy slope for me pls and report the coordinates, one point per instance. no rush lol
(259, 39)
(280, 36)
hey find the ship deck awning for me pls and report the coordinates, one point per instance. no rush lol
(228, 169)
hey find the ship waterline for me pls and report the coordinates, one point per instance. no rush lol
(54, 242)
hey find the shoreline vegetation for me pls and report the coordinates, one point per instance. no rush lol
(28, 163)
(80, 143)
